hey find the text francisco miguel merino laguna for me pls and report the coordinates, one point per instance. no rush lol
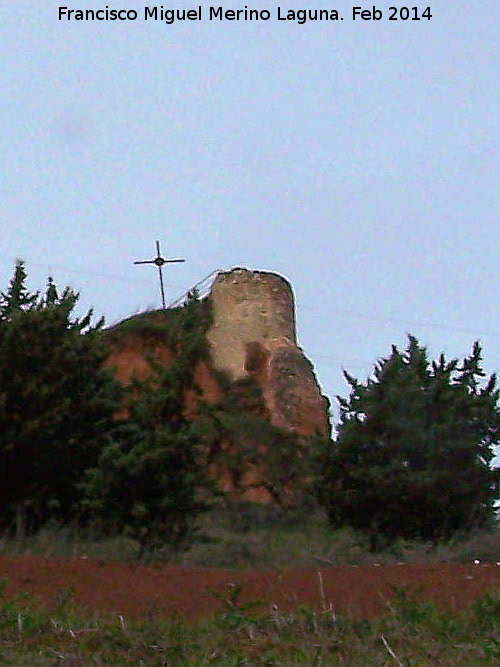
(214, 13)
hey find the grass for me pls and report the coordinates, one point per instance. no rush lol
(411, 634)
(248, 536)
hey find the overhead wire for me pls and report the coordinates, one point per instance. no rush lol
(345, 312)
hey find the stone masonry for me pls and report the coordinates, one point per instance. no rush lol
(254, 334)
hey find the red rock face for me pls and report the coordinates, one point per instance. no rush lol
(129, 358)
(294, 397)
(289, 387)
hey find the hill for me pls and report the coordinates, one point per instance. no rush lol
(249, 364)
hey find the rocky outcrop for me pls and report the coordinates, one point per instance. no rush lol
(130, 351)
(252, 337)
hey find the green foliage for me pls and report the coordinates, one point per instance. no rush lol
(148, 482)
(241, 440)
(414, 449)
(56, 402)
(244, 395)
(148, 488)
(17, 298)
(178, 328)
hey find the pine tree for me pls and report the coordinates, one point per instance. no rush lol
(151, 483)
(17, 298)
(414, 449)
(56, 403)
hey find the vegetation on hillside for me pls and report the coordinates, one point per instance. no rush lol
(181, 329)
(76, 446)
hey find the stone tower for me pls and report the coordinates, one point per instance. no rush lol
(253, 334)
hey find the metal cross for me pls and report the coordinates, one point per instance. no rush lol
(160, 261)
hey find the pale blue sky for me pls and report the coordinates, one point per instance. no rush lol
(360, 159)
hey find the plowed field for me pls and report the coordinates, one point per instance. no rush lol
(360, 591)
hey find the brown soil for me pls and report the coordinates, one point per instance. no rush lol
(128, 590)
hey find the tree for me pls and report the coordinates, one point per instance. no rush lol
(56, 402)
(246, 447)
(17, 297)
(414, 449)
(151, 481)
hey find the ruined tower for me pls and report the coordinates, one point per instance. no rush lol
(254, 334)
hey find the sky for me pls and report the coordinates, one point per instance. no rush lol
(357, 158)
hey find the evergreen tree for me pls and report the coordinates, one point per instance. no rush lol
(17, 298)
(414, 449)
(56, 402)
(245, 446)
(152, 484)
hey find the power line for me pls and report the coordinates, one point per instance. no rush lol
(302, 308)
(83, 272)
(402, 322)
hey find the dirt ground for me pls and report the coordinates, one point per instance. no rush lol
(127, 590)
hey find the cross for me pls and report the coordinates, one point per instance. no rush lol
(160, 261)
